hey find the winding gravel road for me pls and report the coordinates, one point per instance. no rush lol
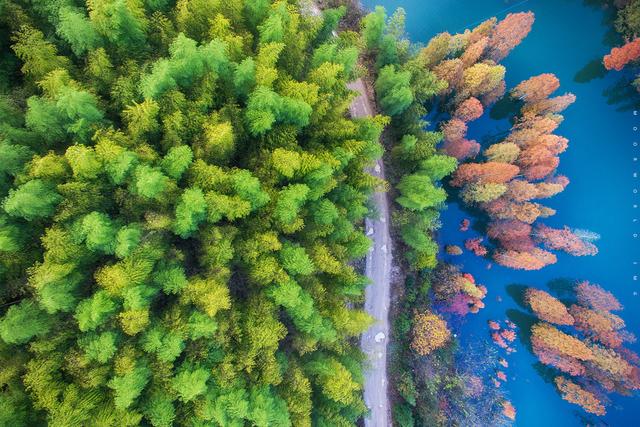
(377, 294)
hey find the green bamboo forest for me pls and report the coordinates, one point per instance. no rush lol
(182, 189)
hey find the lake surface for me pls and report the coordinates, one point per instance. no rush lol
(568, 38)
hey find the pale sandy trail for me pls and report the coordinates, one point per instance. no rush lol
(377, 294)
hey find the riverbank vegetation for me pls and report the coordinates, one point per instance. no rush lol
(182, 196)
(457, 76)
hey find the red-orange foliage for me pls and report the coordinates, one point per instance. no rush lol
(505, 209)
(521, 191)
(499, 340)
(547, 307)
(455, 143)
(572, 392)
(532, 260)
(541, 169)
(549, 106)
(613, 367)
(554, 143)
(529, 154)
(548, 337)
(537, 162)
(450, 71)
(511, 235)
(508, 335)
(508, 410)
(621, 56)
(461, 149)
(531, 129)
(536, 88)
(501, 376)
(493, 325)
(459, 293)
(475, 245)
(594, 354)
(592, 295)
(464, 225)
(503, 362)
(474, 51)
(469, 110)
(550, 188)
(490, 172)
(565, 364)
(453, 250)
(564, 240)
(555, 348)
(454, 130)
(599, 325)
(509, 33)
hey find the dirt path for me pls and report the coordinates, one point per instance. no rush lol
(377, 294)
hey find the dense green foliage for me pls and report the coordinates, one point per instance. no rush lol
(628, 19)
(404, 86)
(181, 192)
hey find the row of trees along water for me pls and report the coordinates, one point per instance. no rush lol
(460, 77)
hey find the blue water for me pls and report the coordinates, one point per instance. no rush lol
(567, 36)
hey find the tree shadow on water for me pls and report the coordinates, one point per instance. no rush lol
(546, 373)
(593, 70)
(562, 287)
(611, 37)
(506, 107)
(623, 94)
(516, 292)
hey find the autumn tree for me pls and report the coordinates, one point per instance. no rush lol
(515, 172)
(547, 307)
(619, 57)
(594, 296)
(534, 259)
(536, 88)
(572, 392)
(430, 332)
(565, 240)
(508, 33)
(457, 292)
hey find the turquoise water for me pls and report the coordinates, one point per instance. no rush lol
(568, 38)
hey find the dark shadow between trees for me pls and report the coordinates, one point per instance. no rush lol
(506, 107)
(516, 292)
(623, 93)
(593, 70)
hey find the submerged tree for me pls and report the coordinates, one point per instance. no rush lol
(586, 345)
(516, 172)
